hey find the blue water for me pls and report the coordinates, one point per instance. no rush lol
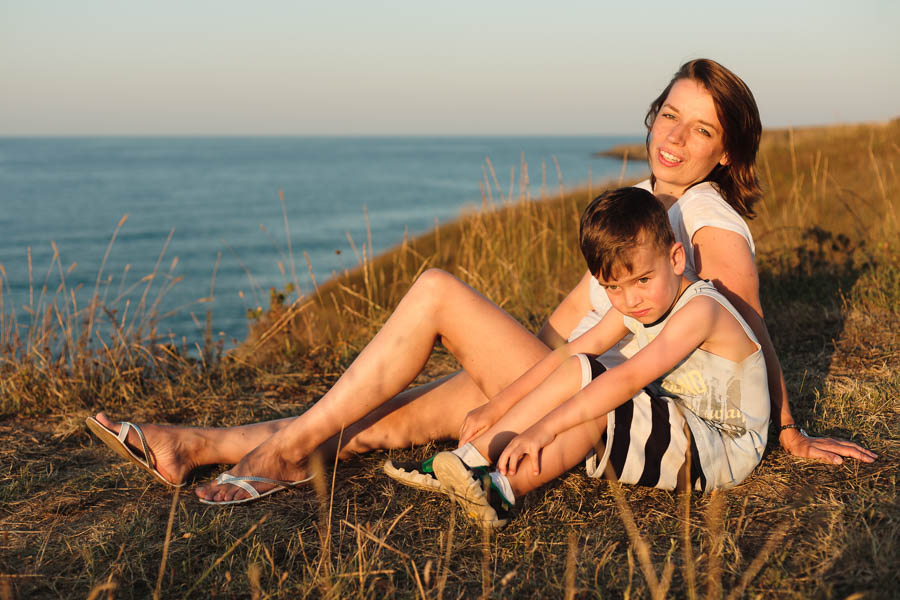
(219, 193)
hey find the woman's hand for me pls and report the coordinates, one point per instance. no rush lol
(824, 449)
(478, 421)
(528, 443)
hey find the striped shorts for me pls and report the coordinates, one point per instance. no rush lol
(647, 441)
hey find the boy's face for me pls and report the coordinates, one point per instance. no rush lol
(652, 285)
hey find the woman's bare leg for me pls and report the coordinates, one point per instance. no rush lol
(176, 451)
(433, 411)
(416, 416)
(491, 346)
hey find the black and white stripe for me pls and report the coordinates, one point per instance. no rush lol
(646, 439)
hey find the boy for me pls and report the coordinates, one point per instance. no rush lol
(702, 418)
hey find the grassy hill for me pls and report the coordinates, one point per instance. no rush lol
(77, 522)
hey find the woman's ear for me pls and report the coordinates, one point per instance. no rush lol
(724, 160)
(676, 255)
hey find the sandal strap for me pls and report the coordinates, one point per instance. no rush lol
(243, 482)
(229, 478)
(145, 448)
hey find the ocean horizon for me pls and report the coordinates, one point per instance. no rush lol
(205, 212)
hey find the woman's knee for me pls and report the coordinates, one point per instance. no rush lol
(433, 289)
(435, 282)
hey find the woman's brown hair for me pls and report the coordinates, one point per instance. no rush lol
(737, 112)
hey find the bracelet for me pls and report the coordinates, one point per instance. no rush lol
(795, 426)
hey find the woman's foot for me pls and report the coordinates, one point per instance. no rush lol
(265, 461)
(172, 449)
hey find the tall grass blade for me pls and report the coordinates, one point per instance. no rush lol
(168, 539)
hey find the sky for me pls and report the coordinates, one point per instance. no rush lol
(408, 67)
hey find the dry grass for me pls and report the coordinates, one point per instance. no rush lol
(76, 522)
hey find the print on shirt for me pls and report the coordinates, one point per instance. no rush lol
(702, 394)
(692, 391)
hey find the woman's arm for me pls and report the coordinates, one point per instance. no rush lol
(724, 258)
(565, 318)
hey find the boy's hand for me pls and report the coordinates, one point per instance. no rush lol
(478, 421)
(825, 449)
(528, 443)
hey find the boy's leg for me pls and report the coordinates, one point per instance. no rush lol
(476, 331)
(561, 385)
(483, 496)
(567, 450)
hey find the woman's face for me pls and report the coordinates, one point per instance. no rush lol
(686, 139)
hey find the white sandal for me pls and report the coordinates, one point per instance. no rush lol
(241, 481)
(119, 446)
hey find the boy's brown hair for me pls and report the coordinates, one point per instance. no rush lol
(618, 221)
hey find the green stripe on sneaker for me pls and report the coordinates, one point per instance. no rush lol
(426, 465)
(483, 474)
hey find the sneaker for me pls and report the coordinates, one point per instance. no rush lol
(419, 475)
(473, 490)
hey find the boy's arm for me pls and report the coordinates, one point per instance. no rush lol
(597, 340)
(685, 331)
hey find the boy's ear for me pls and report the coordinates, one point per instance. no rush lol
(676, 255)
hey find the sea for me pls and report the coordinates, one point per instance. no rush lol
(214, 223)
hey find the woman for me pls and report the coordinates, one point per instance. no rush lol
(704, 127)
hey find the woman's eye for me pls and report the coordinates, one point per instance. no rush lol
(668, 116)
(704, 132)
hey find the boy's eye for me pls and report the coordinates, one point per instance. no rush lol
(612, 288)
(644, 280)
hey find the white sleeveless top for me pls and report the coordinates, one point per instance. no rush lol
(700, 206)
(725, 403)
